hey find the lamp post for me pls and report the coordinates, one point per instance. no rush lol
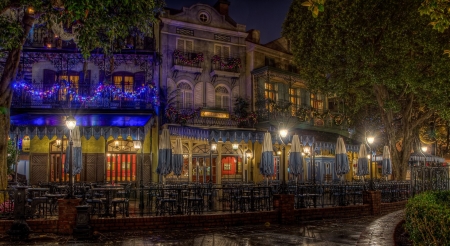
(70, 123)
(138, 145)
(283, 133)
(212, 149)
(370, 140)
(424, 151)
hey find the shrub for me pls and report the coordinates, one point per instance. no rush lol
(428, 218)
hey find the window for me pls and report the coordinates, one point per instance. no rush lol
(124, 83)
(185, 45)
(203, 17)
(222, 50)
(74, 85)
(295, 99)
(270, 94)
(222, 98)
(317, 102)
(184, 96)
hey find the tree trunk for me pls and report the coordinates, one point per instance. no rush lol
(8, 75)
(401, 138)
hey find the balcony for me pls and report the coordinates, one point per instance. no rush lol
(227, 67)
(81, 97)
(212, 118)
(187, 61)
(42, 37)
(302, 117)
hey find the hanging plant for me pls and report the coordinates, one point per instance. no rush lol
(338, 119)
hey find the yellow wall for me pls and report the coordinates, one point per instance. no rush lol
(39, 146)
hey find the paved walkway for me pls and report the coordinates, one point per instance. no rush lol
(371, 230)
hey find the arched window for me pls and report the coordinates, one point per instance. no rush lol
(184, 96)
(222, 98)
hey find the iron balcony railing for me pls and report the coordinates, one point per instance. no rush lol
(86, 98)
(42, 37)
(190, 116)
(189, 59)
(227, 64)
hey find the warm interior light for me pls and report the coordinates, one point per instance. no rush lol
(30, 11)
(306, 149)
(283, 133)
(235, 146)
(137, 144)
(279, 152)
(424, 148)
(71, 122)
(368, 157)
(185, 156)
(116, 143)
(58, 142)
(370, 140)
(213, 146)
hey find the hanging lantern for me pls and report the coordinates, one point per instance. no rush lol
(26, 144)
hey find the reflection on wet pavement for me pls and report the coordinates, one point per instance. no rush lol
(353, 231)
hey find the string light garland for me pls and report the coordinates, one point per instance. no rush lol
(100, 92)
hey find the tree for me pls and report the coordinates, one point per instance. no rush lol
(379, 56)
(92, 24)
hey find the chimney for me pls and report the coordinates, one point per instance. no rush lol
(253, 36)
(222, 7)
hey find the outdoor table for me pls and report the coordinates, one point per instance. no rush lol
(108, 191)
(53, 200)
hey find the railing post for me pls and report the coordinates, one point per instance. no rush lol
(19, 228)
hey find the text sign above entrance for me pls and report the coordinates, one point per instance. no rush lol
(214, 114)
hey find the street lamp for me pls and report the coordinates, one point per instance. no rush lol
(70, 123)
(370, 140)
(139, 146)
(283, 133)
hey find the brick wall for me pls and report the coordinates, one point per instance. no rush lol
(151, 223)
(393, 206)
(67, 214)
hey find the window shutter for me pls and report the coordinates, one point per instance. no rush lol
(101, 76)
(139, 80)
(210, 95)
(226, 51)
(180, 45)
(189, 46)
(198, 95)
(49, 77)
(218, 50)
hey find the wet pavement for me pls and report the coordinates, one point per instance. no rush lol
(370, 230)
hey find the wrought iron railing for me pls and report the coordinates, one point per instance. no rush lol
(227, 64)
(42, 37)
(198, 198)
(189, 59)
(193, 117)
(24, 98)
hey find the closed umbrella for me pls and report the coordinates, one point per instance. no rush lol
(177, 158)
(295, 157)
(342, 166)
(266, 167)
(386, 165)
(363, 163)
(76, 153)
(164, 154)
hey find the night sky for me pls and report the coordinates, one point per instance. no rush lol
(264, 15)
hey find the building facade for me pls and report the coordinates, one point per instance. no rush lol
(201, 75)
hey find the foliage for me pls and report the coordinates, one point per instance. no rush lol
(428, 218)
(439, 12)
(241, 106)
(379, 57)
(12, 155)
(102, 24)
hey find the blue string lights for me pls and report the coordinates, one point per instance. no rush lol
(102, 91)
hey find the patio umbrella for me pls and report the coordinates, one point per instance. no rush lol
(164, 153)
(386, 166)
(76, 153)
(177, 157)
(342, 166)
(295, 157)
(363, 163)
(266, 167)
